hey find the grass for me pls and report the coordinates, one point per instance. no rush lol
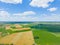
(57, 34)
(8, 32)
(45, 38)
(42, 37)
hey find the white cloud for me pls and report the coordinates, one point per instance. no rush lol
(25, 13)
(3, 13)
(52, 17)
(52, 9)
(44, 17)
(40, 3)
(28, 13)
(6, 16)
(12, 1)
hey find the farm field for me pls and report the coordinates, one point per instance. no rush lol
(23, 38)
(16, 35)
(30, 34)
(46, 34)
(57, 34)
(45, 38)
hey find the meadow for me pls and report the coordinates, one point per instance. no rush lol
(46, 34)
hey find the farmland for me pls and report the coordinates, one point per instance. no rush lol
(40, 33)
(15, 35)
(46, 34)
(45, 38)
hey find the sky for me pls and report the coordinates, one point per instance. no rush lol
(29, 10)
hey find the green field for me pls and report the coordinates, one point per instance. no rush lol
(44, 34)
(10, 31)
(45, 38)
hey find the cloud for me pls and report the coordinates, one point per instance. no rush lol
(6, 16)
(12, 1)
(52, 17)
(3, 13)
(25, 16)
(42, 17)
(27, 13)
(52, 9)
(40, 3)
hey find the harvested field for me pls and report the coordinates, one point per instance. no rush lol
(21, 38)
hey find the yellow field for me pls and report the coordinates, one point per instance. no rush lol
(22, 38)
